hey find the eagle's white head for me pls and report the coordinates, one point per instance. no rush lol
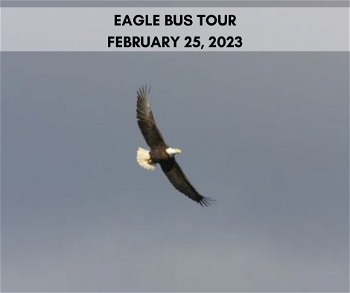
(173, 151)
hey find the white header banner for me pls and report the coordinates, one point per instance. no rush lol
(175, 29)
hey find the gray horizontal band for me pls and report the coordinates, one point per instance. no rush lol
(123, 3)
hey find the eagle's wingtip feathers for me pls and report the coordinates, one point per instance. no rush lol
(207, 201)
(144, 90)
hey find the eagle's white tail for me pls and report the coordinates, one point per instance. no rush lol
(143, 159)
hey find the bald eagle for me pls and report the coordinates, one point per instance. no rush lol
(160, 152)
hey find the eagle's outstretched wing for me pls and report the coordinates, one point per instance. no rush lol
(146, 121)
(179, 180)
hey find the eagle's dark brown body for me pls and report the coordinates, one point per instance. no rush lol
(158, 154)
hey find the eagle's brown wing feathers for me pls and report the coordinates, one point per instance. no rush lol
(179, 180)
(146, 121)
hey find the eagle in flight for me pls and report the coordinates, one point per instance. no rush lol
(160, 153)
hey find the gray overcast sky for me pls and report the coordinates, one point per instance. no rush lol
(266, 134)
